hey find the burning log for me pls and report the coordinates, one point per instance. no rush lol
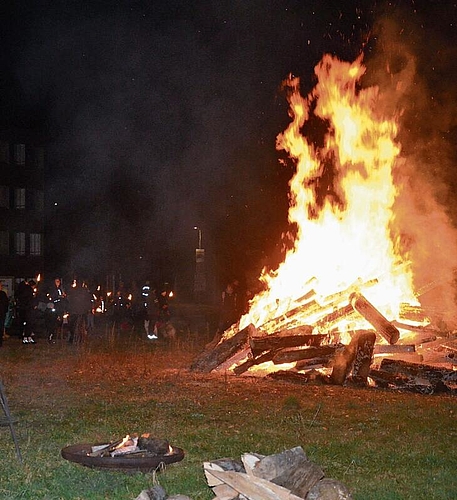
(406, 352)
(335, 316)
(104, 450)
(390, 349)
(323, 314)
(421, 333)
(437, 377)
(384, 379)
(277, 341)
(207, 361)
(307, 364)
(344, 295)
(375, 318)
(243, 367)
(406, 383)
(296, 354)
(145, 445)
(281, 321)
(355, 357)
(239, 357)
(410, 312)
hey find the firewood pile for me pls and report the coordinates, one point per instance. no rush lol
(144, 445)
(289, 475)
(303, 344)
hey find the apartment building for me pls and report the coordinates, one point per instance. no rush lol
(22, 218)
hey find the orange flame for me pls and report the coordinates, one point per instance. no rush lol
(125, 440)
(341, 199)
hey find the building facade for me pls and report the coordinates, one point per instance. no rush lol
(22, 215)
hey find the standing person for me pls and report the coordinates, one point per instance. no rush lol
(147, 311)
(136, 298)
(229, 308)
(150, 322)
(121, 306)
(79, 305)
(10, 315)
(54, 319)
(4, 305)
(25, 301)
(162, 310)
(91, 313)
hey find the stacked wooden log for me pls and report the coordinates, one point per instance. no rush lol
(289, 475)
(414, 377)
(287, 348)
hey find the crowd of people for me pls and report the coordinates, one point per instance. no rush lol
(63, 309)
(65, 312)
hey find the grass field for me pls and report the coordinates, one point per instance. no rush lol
(382, 445)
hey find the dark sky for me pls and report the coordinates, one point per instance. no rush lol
(162, 115)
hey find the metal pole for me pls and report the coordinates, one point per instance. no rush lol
(199, 237)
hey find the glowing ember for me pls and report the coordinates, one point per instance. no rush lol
(341, 204)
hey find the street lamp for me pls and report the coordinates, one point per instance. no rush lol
(199, 237)
(200, 274)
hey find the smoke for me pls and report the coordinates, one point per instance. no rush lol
(164, 116)
(412, 85)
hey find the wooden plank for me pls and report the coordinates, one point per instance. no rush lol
(224, 492)
(388, 349)
(243, 367)
(240, 357)
(209, 360)
(249, 461)
(254, 488)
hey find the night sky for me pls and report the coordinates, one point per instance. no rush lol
(163, 115)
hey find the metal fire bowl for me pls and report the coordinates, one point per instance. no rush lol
(79, 453)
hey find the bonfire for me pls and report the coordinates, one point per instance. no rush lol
(352, 265)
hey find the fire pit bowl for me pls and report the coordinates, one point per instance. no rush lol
(79, 453)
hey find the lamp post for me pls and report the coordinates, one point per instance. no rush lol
(200, 275)
(199, 237)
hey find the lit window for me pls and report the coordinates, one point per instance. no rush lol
(19, 154)
(35, 244)
(19, 198)
(20, 243)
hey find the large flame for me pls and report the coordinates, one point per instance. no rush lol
(341, 199)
